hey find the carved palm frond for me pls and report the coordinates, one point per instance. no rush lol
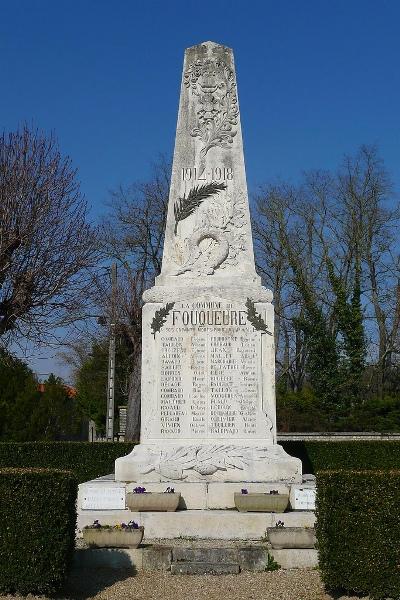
(186, 206)
(160, 317)
(255, 318)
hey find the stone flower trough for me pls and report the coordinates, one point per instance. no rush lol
(141, 501)
(291, 537)
(259, 502)
(113, 537)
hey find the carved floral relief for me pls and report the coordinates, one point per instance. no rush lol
(213, 82)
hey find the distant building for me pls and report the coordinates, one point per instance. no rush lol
(71, 391)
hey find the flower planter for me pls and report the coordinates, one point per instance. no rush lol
(261, 502)
(109, 537)
(291, 537)
(152, 501)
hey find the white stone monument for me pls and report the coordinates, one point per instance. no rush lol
(208, 365)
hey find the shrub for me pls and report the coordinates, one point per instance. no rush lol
(37, 531)
(355, 454)
(87, 460)
(358, 531)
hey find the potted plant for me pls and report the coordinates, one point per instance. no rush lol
(271, 501)
(290, 537)
(113, 536)
(141, 501)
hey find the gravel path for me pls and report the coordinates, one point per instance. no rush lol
(277, 585)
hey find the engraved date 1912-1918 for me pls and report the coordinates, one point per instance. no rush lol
(214, 174)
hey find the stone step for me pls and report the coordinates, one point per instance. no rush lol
(249, 558)
(162, 558)
(209, 555)
(204, 568)
(194, 495)
(295, 558)
(200, 524)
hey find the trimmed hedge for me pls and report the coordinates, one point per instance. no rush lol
(352, 454)
(358, 531)
(87, 460)
(37, 529)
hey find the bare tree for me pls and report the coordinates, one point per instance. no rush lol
(365, 188)
(46, 244)
(133, 237)
(329, 245)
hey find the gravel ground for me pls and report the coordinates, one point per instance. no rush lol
(105, 584)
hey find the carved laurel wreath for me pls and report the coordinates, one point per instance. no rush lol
(255, 318)
(186, 206)
(205, 460)
(160, 316)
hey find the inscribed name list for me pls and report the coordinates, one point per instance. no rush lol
(209, 381)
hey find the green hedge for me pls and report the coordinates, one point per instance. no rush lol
(37, 529)
(358, 531)
(356, 454)
(86, 459)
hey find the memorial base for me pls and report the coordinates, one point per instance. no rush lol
(207, 509)
(223, 462)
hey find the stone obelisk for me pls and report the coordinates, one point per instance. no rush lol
(208, 365)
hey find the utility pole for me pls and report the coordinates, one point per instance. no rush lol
(111, 360)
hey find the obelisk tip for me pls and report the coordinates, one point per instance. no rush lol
(209, 45)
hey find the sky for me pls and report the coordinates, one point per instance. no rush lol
(316, 79)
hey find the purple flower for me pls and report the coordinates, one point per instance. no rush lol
(132, 525)
(244, 491)
(169, 490)
(139, 490)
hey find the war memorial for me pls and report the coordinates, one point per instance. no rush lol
(208, 417)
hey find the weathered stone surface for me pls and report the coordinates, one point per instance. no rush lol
(202, 568)
(207, 555)
(208, 363)
(157, 558)
(252, 558)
